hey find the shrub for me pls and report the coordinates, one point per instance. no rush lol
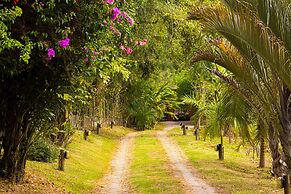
(42, 150)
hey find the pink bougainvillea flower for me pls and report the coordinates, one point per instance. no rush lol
(111, 28)
(86, 60)
(123, 14)
(117, 32)
(109, 2)
(114, 13)
(128, 51)
(143, 42)
(130, 20)
(105, 22)
(64, 43)
(122, 47)
(51, 53)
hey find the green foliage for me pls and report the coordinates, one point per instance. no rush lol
(40, 78)
(255, 47)
(43, 150)
(8, 16)
(148, 99)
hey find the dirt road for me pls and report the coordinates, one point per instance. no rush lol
(181, 165)
(116, 181)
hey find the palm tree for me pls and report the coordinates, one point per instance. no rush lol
(227, 111)
(256, 47)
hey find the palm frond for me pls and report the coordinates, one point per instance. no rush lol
(248, 34)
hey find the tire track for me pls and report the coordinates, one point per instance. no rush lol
(116, 181)
(181, 164)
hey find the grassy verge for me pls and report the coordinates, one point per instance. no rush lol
(159, 126)
(238, 173)
(88, 162)
(150, 171)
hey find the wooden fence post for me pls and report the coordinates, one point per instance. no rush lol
(62, 160)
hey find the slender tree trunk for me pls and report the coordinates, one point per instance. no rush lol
(198, 129)
(98, 129)
(262, 143)
(82, 118)
(262, 152)
(221, 150)
(230, 134)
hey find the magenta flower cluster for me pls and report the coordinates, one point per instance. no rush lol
(109, 2)
(142, 42)
(130, 20)
(126, 50)
(114, 13)
(62, 43)
(51, 53)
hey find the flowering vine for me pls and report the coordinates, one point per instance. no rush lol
(62, 43)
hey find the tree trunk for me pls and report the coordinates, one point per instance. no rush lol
(86, 134)
(230, 134)
(12, 165)
(262, 153)
(254, 151)
(285, 121)
(278, 169)
(98, 129)
(221, 148)
(198, 129)
(286, 184)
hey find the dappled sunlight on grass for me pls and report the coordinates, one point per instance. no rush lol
(88, 162)
(238, 173)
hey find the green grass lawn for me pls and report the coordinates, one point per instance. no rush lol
(238, 173)
(88, 162)
(159, 126)
(150, 171)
